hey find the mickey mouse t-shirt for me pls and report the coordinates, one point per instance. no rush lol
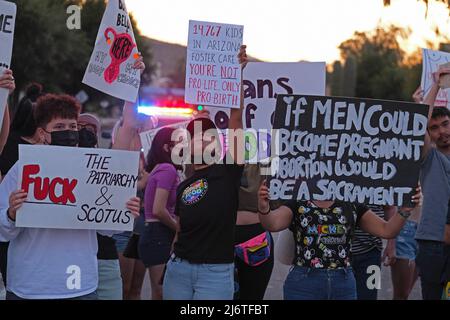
(323, 236)
(207, 205)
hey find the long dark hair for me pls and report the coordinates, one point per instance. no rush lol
(157, 154)
(23, 122)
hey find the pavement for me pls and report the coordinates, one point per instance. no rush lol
(275, 289)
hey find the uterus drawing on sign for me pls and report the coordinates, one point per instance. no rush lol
(121, 48)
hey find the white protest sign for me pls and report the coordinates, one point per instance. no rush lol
(77, 188)
(213, 72)
(7, 23)
(110, 67)
(263, 81)
(432, 60)
(148, 136)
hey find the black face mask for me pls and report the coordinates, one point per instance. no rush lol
(66, 138)
(88, 139)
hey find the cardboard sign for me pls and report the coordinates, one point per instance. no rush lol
(348, 149)
(148, 136)
(444, 81)
(110, 67)
(213, 72)
(432, 60)
(7, 23)
(263, 82)
(77, 188)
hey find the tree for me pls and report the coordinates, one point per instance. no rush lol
(375, 65)
(44, 50)
(47, 52)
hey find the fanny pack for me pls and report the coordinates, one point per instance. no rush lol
(254, 251)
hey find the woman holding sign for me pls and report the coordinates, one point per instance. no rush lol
(322, 233)
(49, 263)
(201, 266)
(160, 196)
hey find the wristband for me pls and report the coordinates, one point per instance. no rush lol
(9, 217)
(264, 213)
(404, 214)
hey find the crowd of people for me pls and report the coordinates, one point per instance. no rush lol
(204, 231)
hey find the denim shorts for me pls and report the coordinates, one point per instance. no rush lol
(406, 245)
(122, 240)
(155, 243)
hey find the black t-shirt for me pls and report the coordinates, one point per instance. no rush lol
(10, 153)
(207, 204)
(323, 236)
(106, 248)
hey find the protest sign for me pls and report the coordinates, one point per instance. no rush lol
(432, 60)
(347, 149)
(110, 68)
(77, 188)
(148, 136)
(263, 81)
(213, 72)
(7, 23)
(180, 139)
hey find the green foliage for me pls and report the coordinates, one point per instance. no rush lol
(374, 66)
(46, 51)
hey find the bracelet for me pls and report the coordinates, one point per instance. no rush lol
(404, 214)
(264, 213)
(9, 217)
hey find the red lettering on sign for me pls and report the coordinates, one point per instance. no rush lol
(44, 187)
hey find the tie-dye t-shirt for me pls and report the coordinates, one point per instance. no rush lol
(323, 236)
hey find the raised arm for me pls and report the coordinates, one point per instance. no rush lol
(235, 124)
(128, 130)
(272, 220)
(6, 82)
(430, 100)
(5, 129)
(378, 227)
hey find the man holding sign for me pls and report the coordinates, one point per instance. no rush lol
(435, 180)
(49, 263)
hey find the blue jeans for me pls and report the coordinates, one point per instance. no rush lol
(360, 264)
(188, 281)
(304, 283)
(431, 260)
(109, 280)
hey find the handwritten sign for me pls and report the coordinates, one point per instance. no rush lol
(77, 188)
(353, 150)
(110, 67)
(7, 23)
(263, 82)
(213, 73)
(432, 60)
(148, 136)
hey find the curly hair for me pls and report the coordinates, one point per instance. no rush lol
(51, 106)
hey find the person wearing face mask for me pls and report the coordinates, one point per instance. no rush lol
(109, 279)
(38, 258)
(88, 130)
